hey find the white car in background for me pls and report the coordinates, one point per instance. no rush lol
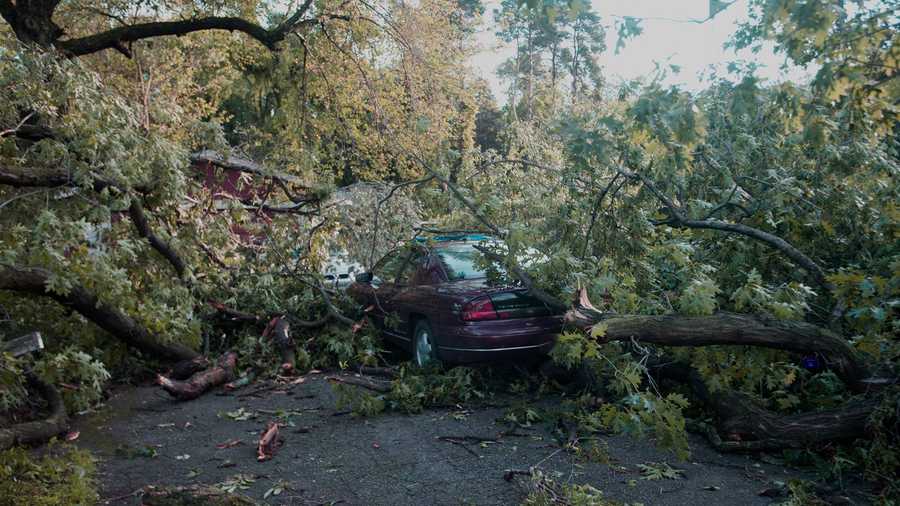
(340, 272)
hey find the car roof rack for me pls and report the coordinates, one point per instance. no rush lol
(454, 237)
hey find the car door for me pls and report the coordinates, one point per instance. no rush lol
(382, 290)
(407, 296)
(375, 294)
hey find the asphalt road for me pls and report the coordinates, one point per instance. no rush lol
(142, 437)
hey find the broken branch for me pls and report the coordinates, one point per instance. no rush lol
(361, 382)
(199, 383)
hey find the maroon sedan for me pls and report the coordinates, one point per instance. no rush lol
(437, 299)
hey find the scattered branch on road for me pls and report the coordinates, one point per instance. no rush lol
(222, 373)
(361, 382)
(268, 443)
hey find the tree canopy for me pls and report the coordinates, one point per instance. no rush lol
(172, 173)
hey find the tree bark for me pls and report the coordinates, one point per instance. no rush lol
(727, 329)
(747, 426)
(34, 281)
(41, 430)
(32, 22)
(199, 383)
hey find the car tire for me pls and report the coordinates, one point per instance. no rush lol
(424, 346)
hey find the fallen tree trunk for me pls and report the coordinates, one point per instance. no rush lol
(38, 431)
(34, 281)
(749, 427)
(742, 424)
(727, 329)
(199, 383)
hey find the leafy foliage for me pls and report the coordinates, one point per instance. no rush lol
(413, 391)
(748, 196)
(12, 387)
(61, 476)
(659, 471)
(83, 377)
(545, 491)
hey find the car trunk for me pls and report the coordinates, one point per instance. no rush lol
(507, 301)
(518, 304)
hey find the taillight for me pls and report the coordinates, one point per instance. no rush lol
(479, 309)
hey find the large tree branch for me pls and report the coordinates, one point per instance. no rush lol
(678, 219)
(35, 281)
(817, 273)
(196, 385)
(727, 329)
(29, 177)
(117, 37)
(32, 177)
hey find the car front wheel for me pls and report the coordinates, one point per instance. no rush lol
(424, 345)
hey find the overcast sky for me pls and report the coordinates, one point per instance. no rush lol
(673, 40)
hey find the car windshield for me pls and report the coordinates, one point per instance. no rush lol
(464, 261)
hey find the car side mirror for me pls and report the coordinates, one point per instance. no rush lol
(364, 277)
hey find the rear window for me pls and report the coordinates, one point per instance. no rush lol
(463, 261)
